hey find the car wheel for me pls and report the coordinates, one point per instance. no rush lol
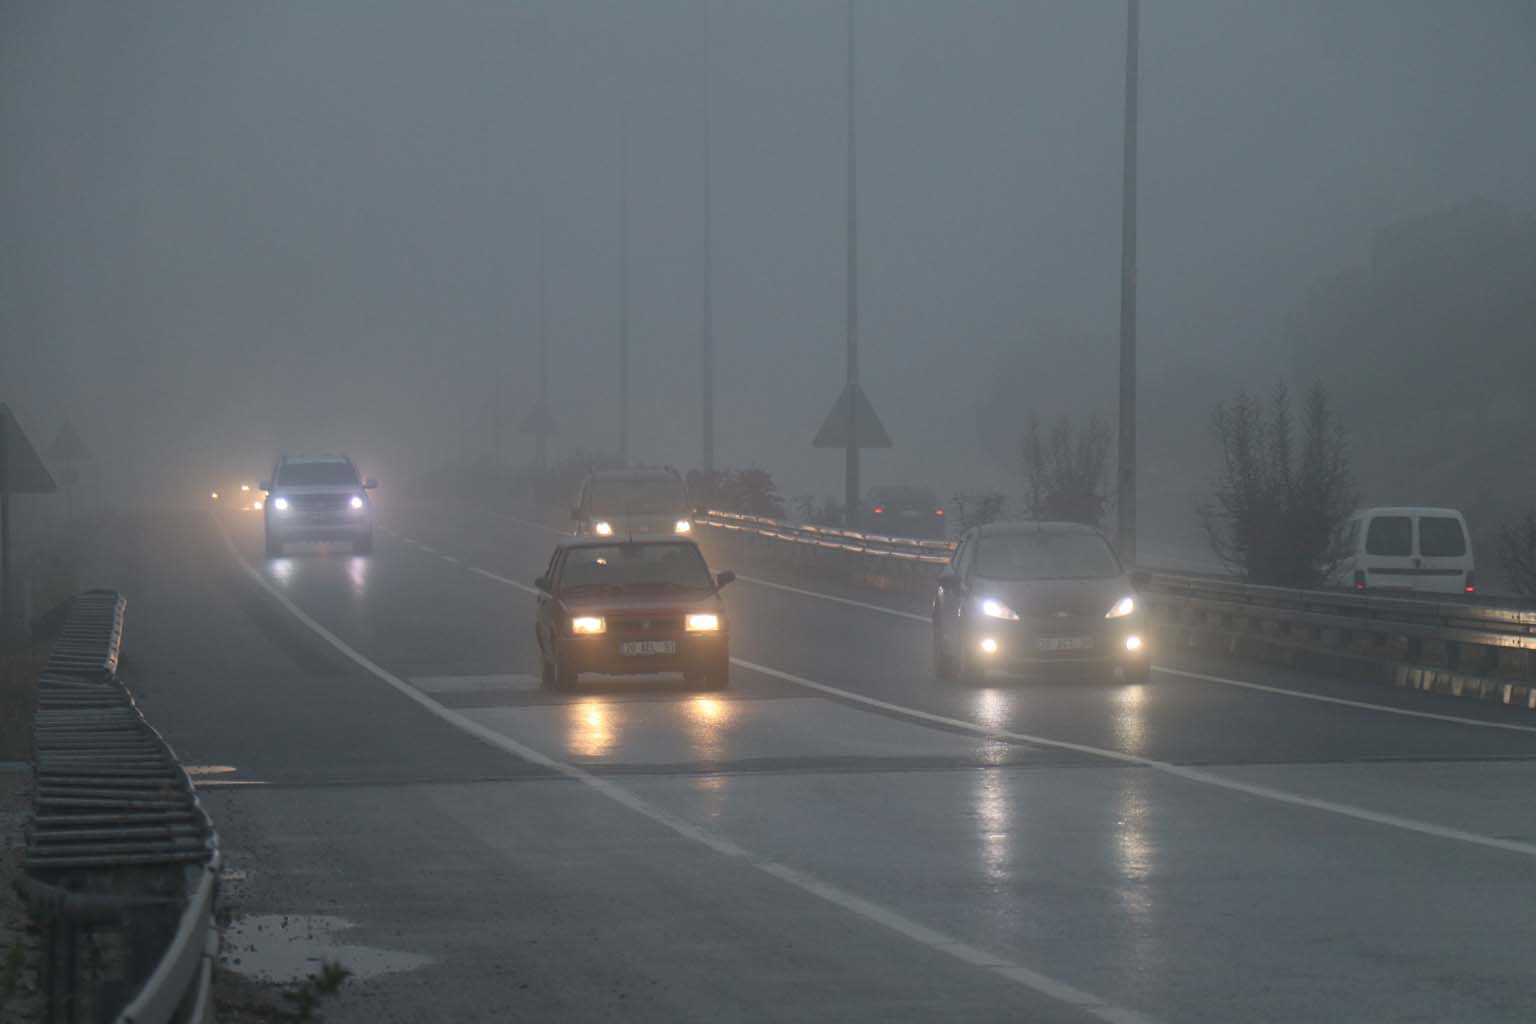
(363, 545)
(717, 677)
(565, 674)
(944, 667)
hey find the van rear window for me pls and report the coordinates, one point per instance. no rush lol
(1390, 535)
(1441, 537)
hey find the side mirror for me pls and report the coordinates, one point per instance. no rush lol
(1141, 579)
(723, 578)
(542, 585)
(370, 484)
(265, 485)
(949, 580)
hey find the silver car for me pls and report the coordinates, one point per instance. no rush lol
(632, 504)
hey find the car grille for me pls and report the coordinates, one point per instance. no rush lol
(325, 503)
(646, 625)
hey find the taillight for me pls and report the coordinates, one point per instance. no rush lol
(1471, 586)
(1359, 579)
(878, 510)
(938, 511)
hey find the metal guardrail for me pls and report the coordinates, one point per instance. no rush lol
(120, 853)
(1473, 640)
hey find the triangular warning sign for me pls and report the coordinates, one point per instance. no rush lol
(540, 421)
(68, 447)
(867, 426)
(21, 471)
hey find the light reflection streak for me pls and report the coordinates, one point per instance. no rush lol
(994, 825)
(282, 571)
(590, 731)
(357, 573)
(1135, 858)
(708, 718)
(1131, 718)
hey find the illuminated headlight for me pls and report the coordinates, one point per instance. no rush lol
(602, 528)
(356, 502)
(588, 625)
(1123, 607)
(1133, 642)
(257, 504)
(214, 495)
(997, 610)
(703, 622)
(682, 526)
(280, 503)
(245, 487)
(988, 645)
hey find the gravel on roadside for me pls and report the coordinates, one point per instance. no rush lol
(20, 945)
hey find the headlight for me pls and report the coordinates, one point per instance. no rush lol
(257, 504)
(588, 625)
(214, 495)
(602, 528)
(356, 502)
(703, 622)
(683, 526)
(280, 503)
(245, 487)
(993, 609)
(1123, 607)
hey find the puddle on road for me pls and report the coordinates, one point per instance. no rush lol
(284, 948)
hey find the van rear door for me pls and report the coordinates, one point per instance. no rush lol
(1389, 561)
(1444, 554)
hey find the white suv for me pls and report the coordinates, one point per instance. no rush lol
(318, 498)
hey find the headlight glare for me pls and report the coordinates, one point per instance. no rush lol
(682, 526)
(1123, 607)
(588, 625)
(356, 502)
(602, 528)
(995, 609)
(703, 622)
(280, 503)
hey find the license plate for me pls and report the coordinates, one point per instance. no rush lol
(1065, 643)
(645, 647)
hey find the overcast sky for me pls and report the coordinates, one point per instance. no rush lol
(230, 228)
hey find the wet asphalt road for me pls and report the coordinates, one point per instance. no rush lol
(837, 837)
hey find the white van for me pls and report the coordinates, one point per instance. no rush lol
(1420, 549)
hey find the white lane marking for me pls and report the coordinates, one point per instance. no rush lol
(409, 540)
(1278, 691)
(428, 548)
(859, 907)
(450, 558)
(1364, 705)
(1166, 767)
(525, 588)
(839, 600)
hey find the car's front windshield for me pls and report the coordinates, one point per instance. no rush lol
(1046, 555)
(662, 496)
(635, 567)
(316, 474)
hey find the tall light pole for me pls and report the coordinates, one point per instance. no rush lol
(708, 360)
(851, 486)
(1125, 452)
(624, 292)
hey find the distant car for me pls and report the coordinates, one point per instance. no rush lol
(906, 511)
(1037, 596)
(244, 497)
(624, 607)
(633, 503)
(318, 497)
(1407, 548)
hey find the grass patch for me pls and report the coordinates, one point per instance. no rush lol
(18, 688)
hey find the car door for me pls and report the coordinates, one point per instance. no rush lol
(547, 607)
(951, 600)
(1442, 553)
(1389, 559)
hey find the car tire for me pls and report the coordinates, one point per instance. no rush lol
(274, 546)
(944, 667)
(363, 545)
(565, 675)
(717, 677)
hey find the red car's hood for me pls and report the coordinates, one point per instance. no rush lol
(639, 605)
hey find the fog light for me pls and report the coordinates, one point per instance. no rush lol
(988, 645)
(602, 529)
(682, 526)
(1133, 643)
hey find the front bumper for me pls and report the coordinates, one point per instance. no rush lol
(1047, 646)
(299, 526)
(603, 654)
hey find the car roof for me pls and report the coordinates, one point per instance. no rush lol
(589, 541)
(1015, 528)
(301, 459)
(635, 474)
(1407, 510)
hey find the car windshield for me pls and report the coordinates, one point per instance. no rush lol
(659, 496)
(1045, 556)
(314, 474)
(635, 567)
